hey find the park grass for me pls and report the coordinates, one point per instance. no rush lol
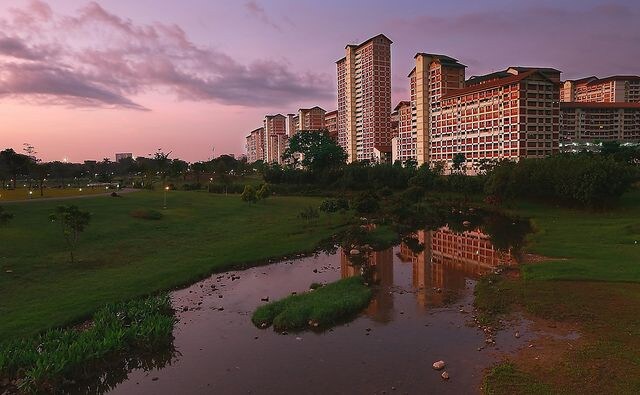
(8, 195)
(41, 363)
(322, 307)
(593, 245)
(122, 258)
(594, 288)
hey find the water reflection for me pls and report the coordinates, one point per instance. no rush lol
(441, 262)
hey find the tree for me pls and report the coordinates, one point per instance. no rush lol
(314, 150)
(72, 222)
(162, 162)
(263, 192)
(14, 163)
(458, 162)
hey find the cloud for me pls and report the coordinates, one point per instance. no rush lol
(96, 58)
(257, 11)
(579, 41)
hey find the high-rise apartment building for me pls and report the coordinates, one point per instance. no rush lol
(293, 122)
(311, 118)
(594, 109)
(589, 121)
(510, 114)
(275, 137)
(614, 89)
(331, 124)
(404, 142)
(255, 145)
(364, 98)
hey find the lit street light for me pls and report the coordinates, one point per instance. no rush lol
(165, 196)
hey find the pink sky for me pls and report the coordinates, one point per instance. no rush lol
(84, 80)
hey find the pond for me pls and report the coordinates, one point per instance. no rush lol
(421, 312)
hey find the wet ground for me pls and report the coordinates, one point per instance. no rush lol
(421, 313)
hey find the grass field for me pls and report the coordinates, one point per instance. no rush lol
(123, 257)
(595, 289)
(23, 193)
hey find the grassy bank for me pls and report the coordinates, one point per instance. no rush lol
(594, 289)
(322, 307)
(122, 257)
(41, 363)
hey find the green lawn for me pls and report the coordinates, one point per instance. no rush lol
(601, 246)
(596, 289)
(123, 257)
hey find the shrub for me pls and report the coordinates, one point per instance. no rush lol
(249, 194)
(146, 214)
(309, 213)
(5, 217)
(334, 205)
(263, 192)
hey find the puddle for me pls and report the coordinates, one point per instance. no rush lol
(420, 313)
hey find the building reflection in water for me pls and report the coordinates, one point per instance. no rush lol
(439, 271)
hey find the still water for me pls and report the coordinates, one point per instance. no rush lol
(421, 312)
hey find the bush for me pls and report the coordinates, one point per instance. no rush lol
(334, 205)
(263, 192)
(309, 213)
(5, 217)
(586, 180)
(146, 214)
(249, 194)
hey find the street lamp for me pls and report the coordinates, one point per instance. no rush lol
(165, 196)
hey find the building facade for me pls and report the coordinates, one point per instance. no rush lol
(311, 118)
(255, 145)
(364, 98)
(331, 124)
(614, 89)
(510, 114)
(275, 137)
(404, 142)
(124, 155)
(590, 121)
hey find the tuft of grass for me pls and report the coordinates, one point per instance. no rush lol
(39, 363)
(494, 297)
(146, 214)
(505, 378)
(325, 306)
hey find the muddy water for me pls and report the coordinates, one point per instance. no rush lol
(420, 314)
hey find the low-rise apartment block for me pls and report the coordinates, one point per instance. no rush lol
(614, 89)
(589, 121)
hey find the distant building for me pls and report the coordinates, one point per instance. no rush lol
(124, 155)
(255, 145)
(594, 109)
(311, 118)
(293, 124)
(331, 124)
(404, 142)
(275, 137)
(364, 98)
(590, 121)
(614, 89)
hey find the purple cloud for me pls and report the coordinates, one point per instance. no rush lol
(257, 11)
(111, 58)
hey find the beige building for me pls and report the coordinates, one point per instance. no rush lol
(510, 114)
(331, 124)
(404, 142)
(311, 118)
(275, 137)
(255, 145)
(589, 121)
(364, 98)
(614, 89)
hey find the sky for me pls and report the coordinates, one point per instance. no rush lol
(87, 79)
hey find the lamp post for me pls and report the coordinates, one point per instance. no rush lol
(165, 196)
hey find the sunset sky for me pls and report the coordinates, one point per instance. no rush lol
(84, 80)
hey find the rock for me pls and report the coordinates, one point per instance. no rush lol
(517, 335)
(263, 325)
(8, 271)
(354, 252)
(265, 299)
(220, 296)
(439, 365)
(315, 270)
(155, 379)
(313, 323)
(466, 223)
(445, 376)
(220, 308)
